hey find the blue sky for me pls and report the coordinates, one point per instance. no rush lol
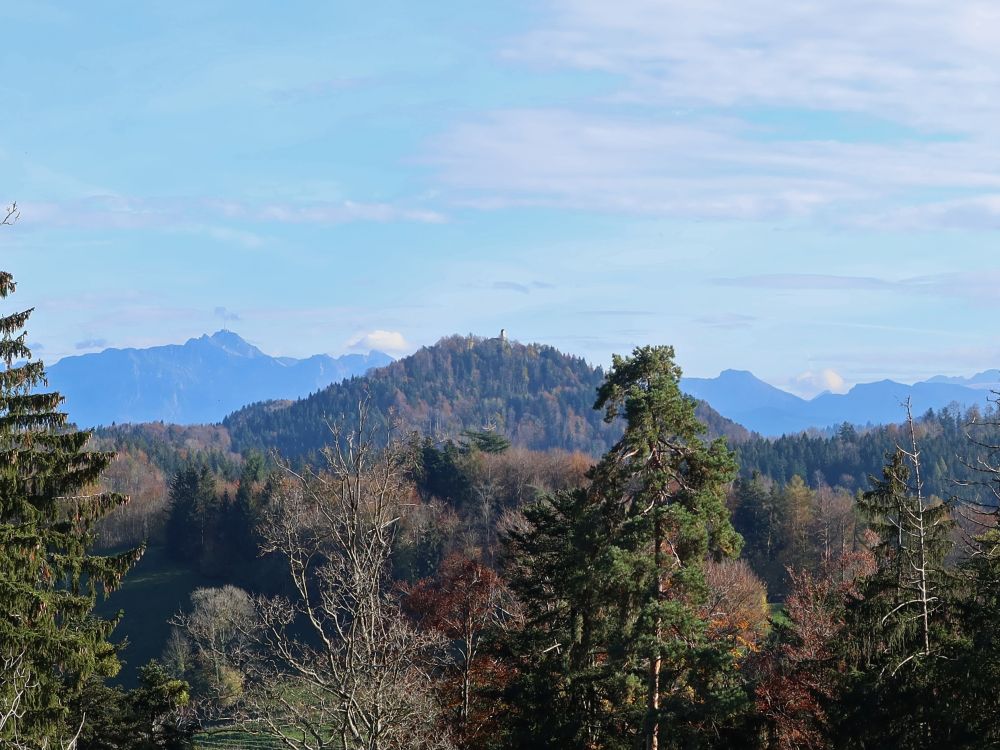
(811, 192)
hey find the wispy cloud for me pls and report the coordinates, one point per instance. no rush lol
(728, 321)
(617, 313)
(390, 342)
(694, 166)
(512, 286)
(521, 287)
(226, 314)
(723, 112)
(90, 344)
(335, 213)
(917, 61)
(803, 281)
(208, 215)
(978, 212)
(978, 284)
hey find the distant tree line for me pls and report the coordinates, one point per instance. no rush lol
(847, 459)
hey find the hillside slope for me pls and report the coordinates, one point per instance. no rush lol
(535, 395)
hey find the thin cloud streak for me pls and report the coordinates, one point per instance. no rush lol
(114, 212)
(967, 284)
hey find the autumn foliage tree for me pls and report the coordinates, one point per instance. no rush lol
(735, 606)
(466, 602)
(801, 671)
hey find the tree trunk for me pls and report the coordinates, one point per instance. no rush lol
(655, 661)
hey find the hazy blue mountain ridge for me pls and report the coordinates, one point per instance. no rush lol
(770, 411)
(200, 381)
(212, 377)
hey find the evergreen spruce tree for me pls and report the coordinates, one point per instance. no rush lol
(968, 678)
(901, 627)
(566, 693)
(50, 639)
(192, 501)
(758, 517)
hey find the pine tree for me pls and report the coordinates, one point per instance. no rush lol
(50, 639)
(665, 489)
(616, 652)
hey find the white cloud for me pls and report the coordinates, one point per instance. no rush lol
(390, 342)
(698, 168)
(865, 106)
(923, 62)
(978, 285)
(193, 214)
(337, 213)
(976, 212)
(814, 382)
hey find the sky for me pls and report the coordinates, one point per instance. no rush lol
(810, 191)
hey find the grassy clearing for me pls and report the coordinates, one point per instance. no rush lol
(150, 595)
(232, 739)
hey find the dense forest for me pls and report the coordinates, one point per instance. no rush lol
(536, 396)
(954, 445)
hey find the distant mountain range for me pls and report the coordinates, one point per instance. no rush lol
(200, 381)
(458, 383)
(758, 406)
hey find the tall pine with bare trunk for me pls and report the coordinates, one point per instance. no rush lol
(618, 651)
(664, 487)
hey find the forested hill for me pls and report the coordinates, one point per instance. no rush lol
(533, 394)
(950, 442)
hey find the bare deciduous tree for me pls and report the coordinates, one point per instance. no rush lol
(10, 215)
(736, 607)
(220, 628)
(338, 665)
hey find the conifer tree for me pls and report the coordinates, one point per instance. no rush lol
(968, 678)
(50, 639)
(665, 487)
(616, 651)
(914, 533)
(901, 627)
(567, 693)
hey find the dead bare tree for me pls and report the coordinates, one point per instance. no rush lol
(338, 665)
(18, 683)
(914, 537)
(10, 215)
